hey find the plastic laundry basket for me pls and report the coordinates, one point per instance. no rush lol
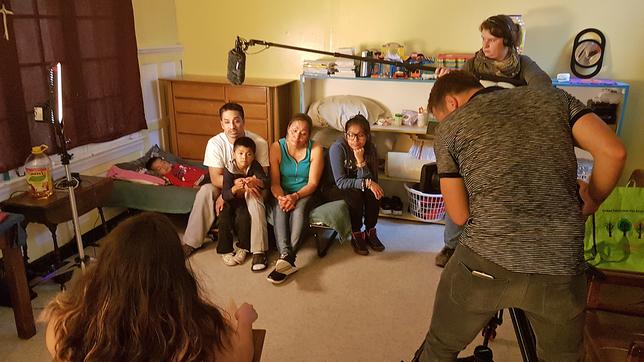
(425, 207)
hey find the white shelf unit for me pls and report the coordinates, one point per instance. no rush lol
(396, 95)
(585, 90)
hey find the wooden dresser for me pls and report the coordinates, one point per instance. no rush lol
(193, 104)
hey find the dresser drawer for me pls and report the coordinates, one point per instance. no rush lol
(246, 94)
(255, 110)
(198, 124)
(192, 146)
(197, 106)
(199, 91)
(258, 126)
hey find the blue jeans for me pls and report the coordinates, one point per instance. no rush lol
(289, 226)
(451, 233)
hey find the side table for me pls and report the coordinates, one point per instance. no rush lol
(92, 193)
(16, 276)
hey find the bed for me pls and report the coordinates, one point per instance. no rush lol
(148, 191)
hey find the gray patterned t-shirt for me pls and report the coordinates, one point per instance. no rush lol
(514, 150)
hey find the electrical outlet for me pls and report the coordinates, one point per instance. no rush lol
(38, 114)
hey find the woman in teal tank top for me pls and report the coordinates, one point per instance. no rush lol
(296, 167)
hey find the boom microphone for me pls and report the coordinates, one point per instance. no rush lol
(237, 58)
(237, 63)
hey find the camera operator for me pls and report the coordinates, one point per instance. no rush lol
(508, 174)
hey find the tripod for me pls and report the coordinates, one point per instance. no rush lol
(522, 329)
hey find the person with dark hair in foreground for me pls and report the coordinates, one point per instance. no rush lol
(139, 302)
(508, 174)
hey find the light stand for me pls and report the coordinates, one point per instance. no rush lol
(56, 113)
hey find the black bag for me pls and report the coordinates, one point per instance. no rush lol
(429, 181)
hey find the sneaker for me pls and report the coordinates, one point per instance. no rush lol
(385, 206)
(282, 270)
(240, 256)
(359, 243)
(396, 206)
(259, 262)
(187, 250)
(229, 259)
(443, 257)
(373, 241)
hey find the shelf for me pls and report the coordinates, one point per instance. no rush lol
(594, 83)
(409, 217)
(384, 176)
(369, 79)
(400, 129)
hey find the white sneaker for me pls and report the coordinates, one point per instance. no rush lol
(229, 259)
(240, 256)
(282, 270)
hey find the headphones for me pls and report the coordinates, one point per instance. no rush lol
(499, 22)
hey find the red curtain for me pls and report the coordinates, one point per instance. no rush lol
(94, 40)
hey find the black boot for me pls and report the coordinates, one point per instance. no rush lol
(373, 241)
(359, 243)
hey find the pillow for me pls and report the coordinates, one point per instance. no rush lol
(138, 165)
(334, 214)
(335, 111)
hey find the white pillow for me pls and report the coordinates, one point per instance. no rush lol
(335, 111)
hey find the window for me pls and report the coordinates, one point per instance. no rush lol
(96, 44)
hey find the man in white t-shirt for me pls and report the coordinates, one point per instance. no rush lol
(208, 201)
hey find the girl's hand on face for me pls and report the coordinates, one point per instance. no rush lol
(358, 153)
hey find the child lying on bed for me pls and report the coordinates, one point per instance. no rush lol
(244, 183)
(178, 175)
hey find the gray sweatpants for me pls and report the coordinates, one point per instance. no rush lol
(258, 231)
(465, 303)
(202, 215)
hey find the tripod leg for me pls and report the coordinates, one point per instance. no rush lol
(525, 335)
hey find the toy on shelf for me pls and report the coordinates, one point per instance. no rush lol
(453, 60)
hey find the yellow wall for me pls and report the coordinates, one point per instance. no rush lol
(155, 23)
(207, 30)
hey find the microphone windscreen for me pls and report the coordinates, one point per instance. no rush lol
(236, 66)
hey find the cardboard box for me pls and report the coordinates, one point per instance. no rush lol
(401, 165)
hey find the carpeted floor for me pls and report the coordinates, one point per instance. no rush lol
(343, 307)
